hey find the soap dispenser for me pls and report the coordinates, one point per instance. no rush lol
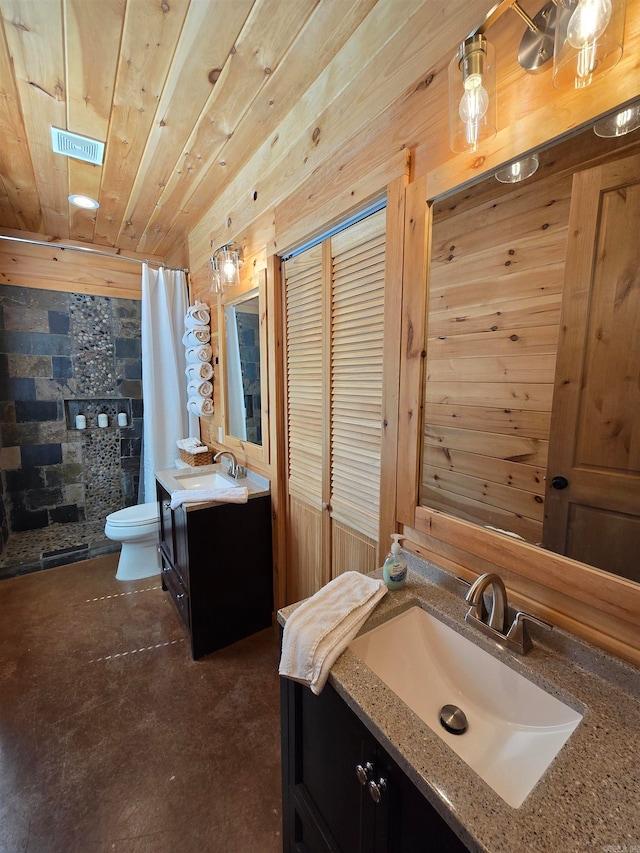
(394, 571)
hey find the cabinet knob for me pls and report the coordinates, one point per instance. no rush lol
(326, 507)
(363, 772)
(166, 506)
(559, 483)
(180, 596)
(377, 789)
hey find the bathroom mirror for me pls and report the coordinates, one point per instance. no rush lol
(531, 400)
(244, 372)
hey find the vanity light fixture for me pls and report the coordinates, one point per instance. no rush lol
(84, 201)
(518, 171)
(225, 265)
(589, 40)
(472, 94)
(620, 123)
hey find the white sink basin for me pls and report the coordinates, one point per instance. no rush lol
(515, 729)
(207, 480)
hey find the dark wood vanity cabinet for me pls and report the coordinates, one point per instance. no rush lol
(217, 566)
(325, 806)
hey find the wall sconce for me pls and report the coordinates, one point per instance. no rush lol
(620, 124)
(589, 38)
(472, 95)
(225, 266)
(518, 171)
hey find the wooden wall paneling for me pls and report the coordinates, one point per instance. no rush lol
(56, 266)
(92, 36)
(6, 210)
(264, 40)
(322, 36)
(206, 40)
(527, 593)
(149, 40)
(472, 347)
(352, 551)
(34, 35)
(395, 223)
(515, 448)
(319, 126)
(417, 240)
(15, 160)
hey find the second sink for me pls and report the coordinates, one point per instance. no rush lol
(208, 480)
(515, 729)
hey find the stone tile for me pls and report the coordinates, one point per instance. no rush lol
(24, 519)
(4, 365)
(127, 348)
(55, 389)
(62, 367)
(7, 412)
(129, 388)
(48, 344)
(36, 499)
(19, 319)
(15, 342)
(51, 432)
(18, 389)
(19, 433)
(71, 451)
(10, 458)
(74, 493)
(54, 300)
(59, 323)
(23, 479)
(29, 411)
(64, 514)
(29, 365)
(41, 454)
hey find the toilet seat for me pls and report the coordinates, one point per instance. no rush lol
(135, 516)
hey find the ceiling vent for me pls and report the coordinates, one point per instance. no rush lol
(79, 147)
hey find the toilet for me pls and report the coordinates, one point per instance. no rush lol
(136, 527)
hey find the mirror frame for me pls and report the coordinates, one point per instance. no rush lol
(590, 602)
(257, 452)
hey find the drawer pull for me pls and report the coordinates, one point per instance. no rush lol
(363, 772)
(377, 789)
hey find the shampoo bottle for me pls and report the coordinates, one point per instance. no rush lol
(394, 571)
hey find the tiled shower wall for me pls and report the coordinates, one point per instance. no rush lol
(57, 348)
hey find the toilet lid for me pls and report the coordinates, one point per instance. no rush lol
(134, 516)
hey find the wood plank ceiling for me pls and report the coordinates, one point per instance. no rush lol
(181, 91)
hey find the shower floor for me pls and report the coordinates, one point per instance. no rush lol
(56, 545)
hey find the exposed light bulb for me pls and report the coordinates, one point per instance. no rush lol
(473, 106)
(229, 270)
(588, 21)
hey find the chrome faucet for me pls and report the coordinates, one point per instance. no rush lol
(494, 624)
(234, 470)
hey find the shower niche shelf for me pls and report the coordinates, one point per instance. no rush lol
(91, 407)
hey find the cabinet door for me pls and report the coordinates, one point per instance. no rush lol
(325, 809)
(166, 524)
(405, 822)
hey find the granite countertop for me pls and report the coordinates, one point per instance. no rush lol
(173, 479)
(588, 799)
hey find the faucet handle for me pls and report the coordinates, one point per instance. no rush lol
(518, 632)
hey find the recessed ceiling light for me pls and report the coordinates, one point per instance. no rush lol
(84, 201)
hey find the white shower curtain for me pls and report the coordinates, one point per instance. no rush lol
(164, 388)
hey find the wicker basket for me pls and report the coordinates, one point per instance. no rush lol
(196, 458)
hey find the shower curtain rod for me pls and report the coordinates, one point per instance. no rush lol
(91, 251)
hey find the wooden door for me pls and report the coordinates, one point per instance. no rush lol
(593, 477)
(334, 316)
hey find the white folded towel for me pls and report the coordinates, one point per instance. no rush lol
(199, 387)
(232, 495)
(322, 627)
(203, 352)
(196, 336)
(193, 445)
(199, 370)
(200, 406)
(197, 315)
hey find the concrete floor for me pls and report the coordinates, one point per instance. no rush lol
(112, 740)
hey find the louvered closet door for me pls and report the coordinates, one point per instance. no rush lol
(304, 402)
(334, 304)
(357, 319)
